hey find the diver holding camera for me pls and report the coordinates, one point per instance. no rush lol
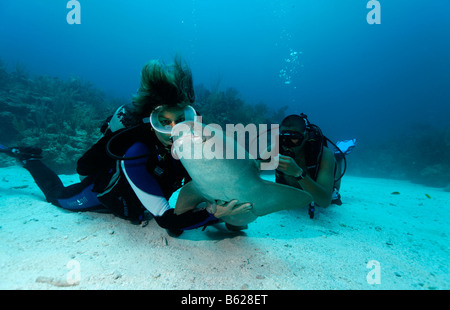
(306, 162)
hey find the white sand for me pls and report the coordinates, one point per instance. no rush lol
(408, 234)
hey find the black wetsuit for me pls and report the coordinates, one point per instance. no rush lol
(125, 187)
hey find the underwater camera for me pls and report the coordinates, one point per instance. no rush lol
(287, 152)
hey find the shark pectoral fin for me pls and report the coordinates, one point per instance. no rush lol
(188, 198)
(273, 197)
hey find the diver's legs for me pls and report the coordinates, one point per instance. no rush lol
(46, 179)
(338, 173)
(336, 197)
(76, 197)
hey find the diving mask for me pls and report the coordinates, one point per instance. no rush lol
(289, 138)
(163, 118)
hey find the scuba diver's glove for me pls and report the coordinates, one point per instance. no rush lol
(220, 208)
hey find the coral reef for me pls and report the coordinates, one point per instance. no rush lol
(62, 117)
(225, 107)
(420, 154)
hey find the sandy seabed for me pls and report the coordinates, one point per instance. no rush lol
(388, 234)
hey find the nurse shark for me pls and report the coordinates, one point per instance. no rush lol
(202, 150)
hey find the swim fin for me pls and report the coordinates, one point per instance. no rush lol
(22, 152)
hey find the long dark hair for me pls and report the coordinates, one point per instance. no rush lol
(161, 84)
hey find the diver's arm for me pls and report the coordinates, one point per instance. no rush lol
(166, 217)
(190, 198)
(151, 196)
(322, 188)
(200, 217)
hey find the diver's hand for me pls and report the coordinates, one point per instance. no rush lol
(221, 209)
(288, 166)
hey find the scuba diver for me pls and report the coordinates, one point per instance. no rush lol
(306, 162)
(131, 169)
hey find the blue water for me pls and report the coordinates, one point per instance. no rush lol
(317, 57)
(321, 57)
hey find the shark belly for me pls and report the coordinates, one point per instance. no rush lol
(227, 179)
